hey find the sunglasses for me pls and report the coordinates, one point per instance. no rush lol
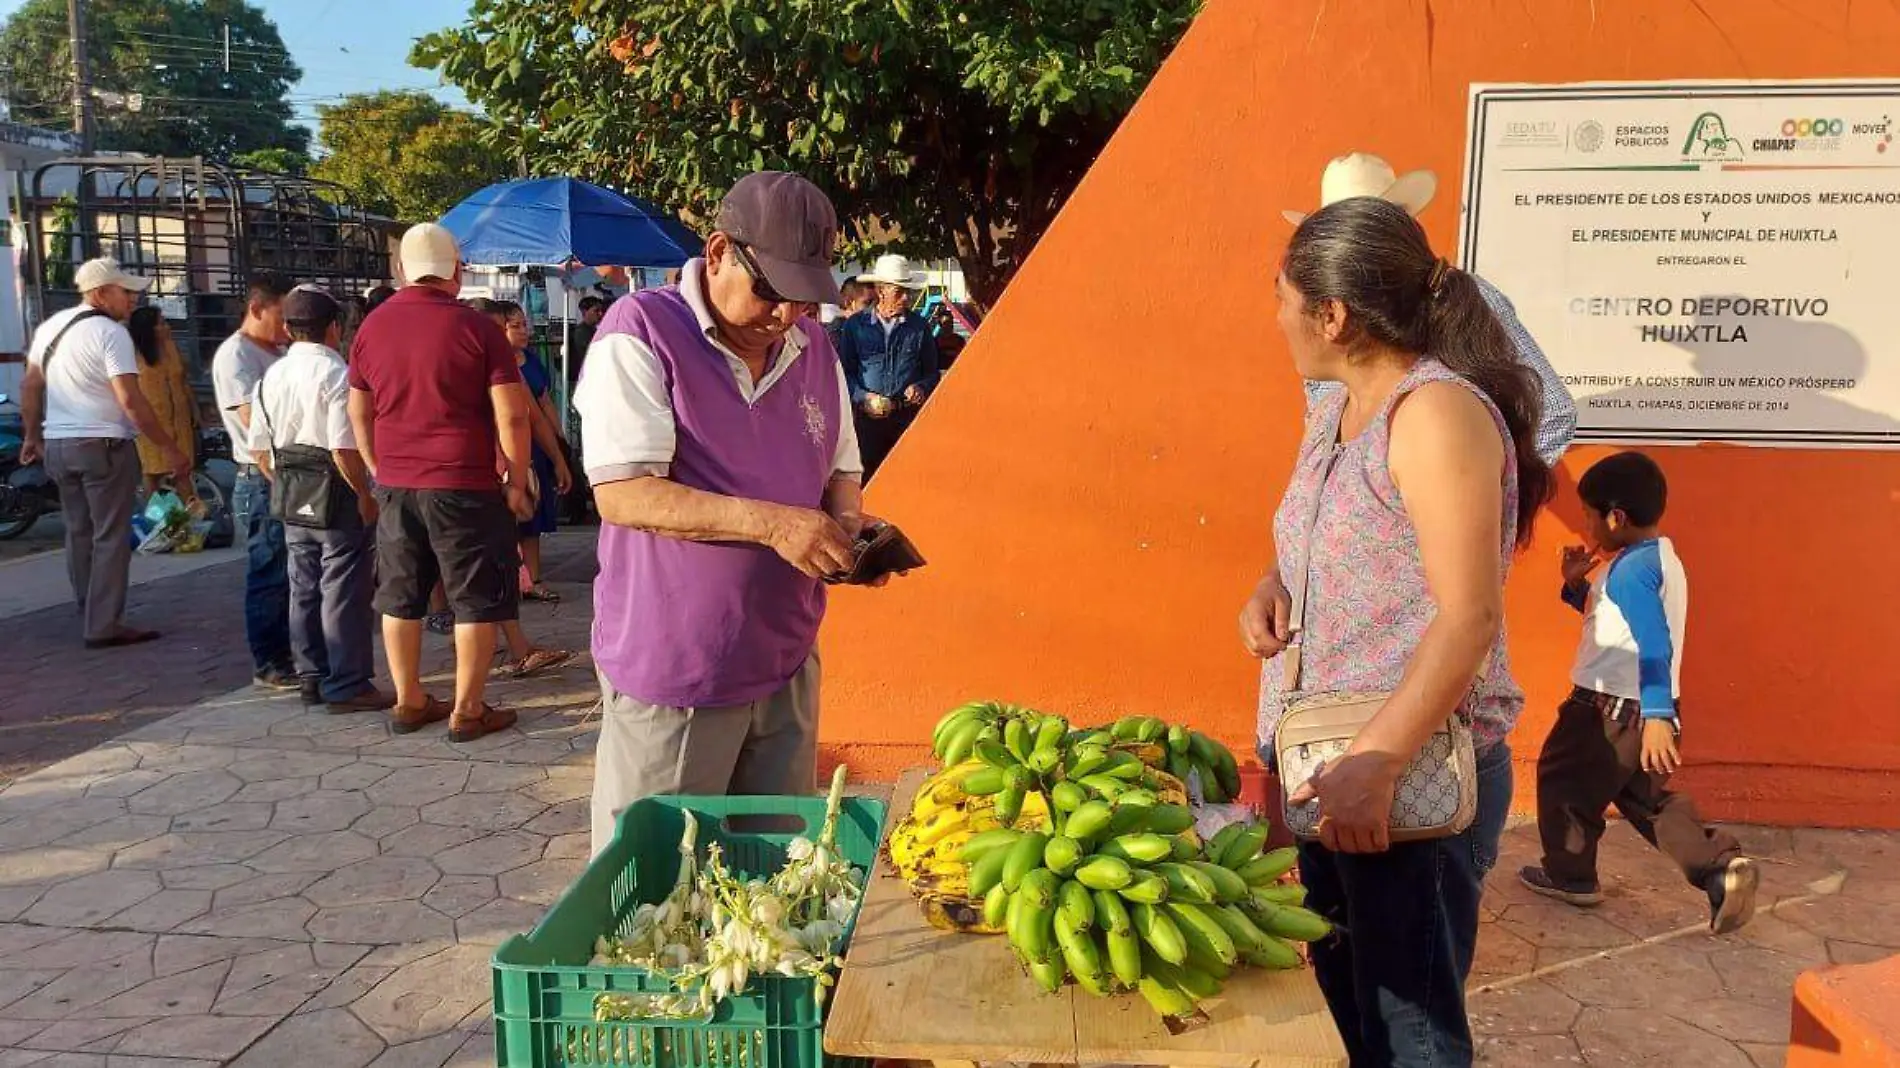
(761, 288)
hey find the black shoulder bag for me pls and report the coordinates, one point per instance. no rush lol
(309, 491)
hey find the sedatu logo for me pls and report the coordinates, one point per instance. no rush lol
(1709, 139)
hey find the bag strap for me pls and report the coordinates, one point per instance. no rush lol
(46, 361)
(1292, 655)
(262, 410)
(1303, 578)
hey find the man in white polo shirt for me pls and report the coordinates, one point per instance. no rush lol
(82, 407)
(301, 413)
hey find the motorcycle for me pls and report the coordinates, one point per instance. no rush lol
(25, 489)
(28, 492)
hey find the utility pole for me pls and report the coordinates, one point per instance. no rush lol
(82, 75)
(85, 238)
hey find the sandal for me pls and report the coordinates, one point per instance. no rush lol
(539, 592)
(492, 719)
(535, 662)
(410, 720)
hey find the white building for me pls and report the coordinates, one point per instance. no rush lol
(22, 148)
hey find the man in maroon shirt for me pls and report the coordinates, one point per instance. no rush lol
(435, 398)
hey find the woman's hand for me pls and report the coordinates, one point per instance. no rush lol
(1355, 801)
(563, 477)
(1266, 623)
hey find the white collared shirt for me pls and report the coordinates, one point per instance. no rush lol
(627, 425)
(303, 399)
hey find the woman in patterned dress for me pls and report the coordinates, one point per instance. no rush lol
(1420, 479)
(162, 380)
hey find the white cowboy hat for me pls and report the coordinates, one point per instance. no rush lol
(894, 270)
(1361, 174)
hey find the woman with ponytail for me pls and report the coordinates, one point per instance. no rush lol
(1419, 480)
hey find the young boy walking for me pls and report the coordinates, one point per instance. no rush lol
(1615, 738)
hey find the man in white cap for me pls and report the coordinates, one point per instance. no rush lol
(440, 416)
(82, 407)
(1360, 174)
(890, 359)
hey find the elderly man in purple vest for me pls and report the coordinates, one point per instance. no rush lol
(716, 426)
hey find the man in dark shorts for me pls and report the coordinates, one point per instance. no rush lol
(441, 418)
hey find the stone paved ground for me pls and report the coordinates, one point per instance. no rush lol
(57, 698)
(249, 883)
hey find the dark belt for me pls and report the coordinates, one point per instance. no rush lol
(1610, 706)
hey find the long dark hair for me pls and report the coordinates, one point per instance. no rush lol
(1374, 258)
(143, 326)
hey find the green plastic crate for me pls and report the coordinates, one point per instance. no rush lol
(545, 987)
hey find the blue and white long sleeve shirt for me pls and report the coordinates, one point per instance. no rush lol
(1634, 616)
(1560, 411)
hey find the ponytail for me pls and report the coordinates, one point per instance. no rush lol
(1463, 333)
(1374, 258)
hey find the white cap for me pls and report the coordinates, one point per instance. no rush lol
(105, 271)
(429, 251)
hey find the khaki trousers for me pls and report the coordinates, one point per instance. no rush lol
(769, 746)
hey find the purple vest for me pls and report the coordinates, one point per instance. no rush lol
(710, 625)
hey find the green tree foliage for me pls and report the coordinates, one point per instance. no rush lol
(961, 124)
(167, 57)
(405, 154)
(278, 160)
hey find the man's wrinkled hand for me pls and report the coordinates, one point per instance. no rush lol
(811, 541)
(913, 395)
(32, 452)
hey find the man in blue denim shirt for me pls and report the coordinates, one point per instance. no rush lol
(1362, 175)
(236, 369)
(890, 360)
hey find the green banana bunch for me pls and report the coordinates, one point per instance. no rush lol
(1105, 883)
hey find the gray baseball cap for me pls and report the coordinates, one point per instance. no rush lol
(790, 228)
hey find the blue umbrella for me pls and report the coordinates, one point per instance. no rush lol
(555, 220)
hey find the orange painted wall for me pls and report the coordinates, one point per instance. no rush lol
(1094, 482)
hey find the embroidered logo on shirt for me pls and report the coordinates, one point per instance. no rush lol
(815, 422)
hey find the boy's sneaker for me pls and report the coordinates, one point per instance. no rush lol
(1538, 881)
(1732, 895)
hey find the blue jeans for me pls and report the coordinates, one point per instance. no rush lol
(1394, 976)
(267, 580)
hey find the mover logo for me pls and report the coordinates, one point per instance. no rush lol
(1709, 139)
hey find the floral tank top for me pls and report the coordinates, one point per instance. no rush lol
(1367, 603)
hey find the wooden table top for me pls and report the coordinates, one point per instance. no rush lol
(911, 992)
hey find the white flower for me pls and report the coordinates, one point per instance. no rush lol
(799, 848)
(839, 909)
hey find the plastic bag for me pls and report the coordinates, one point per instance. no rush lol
(167, 525)
(161, 506)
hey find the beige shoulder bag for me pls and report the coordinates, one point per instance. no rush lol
(1437, 793)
